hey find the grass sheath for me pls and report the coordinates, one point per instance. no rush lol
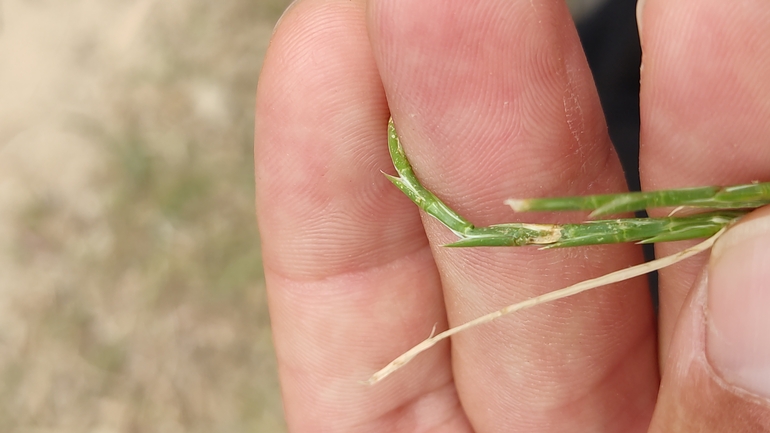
(731, 203)
(747, 196)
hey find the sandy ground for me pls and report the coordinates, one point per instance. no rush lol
(131, 293)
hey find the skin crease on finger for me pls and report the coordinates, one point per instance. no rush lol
(487, 96)
(704, 109)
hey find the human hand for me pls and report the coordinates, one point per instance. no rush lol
(493, 100)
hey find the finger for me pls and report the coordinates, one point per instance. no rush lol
(493, 99)
(350, 280)
(718, 373)
(704, 109)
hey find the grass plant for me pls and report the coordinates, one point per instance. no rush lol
(733, 202)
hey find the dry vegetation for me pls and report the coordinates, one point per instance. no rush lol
(131, 291)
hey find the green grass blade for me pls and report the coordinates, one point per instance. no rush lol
(646, 230)
(732, 197)
(641, 230)
(407, 182)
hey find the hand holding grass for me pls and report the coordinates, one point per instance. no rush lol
(740, 198)
(493, 100)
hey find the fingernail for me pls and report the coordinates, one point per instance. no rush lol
(738, 334)
(639, 13)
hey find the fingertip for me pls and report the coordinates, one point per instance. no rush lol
(699, 390)
(494, 98)
(737, 341)
(704, 92)
(350, 281)
(319, 147)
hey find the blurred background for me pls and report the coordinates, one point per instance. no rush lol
(131, 290)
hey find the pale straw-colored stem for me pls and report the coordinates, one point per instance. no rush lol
(613, 277)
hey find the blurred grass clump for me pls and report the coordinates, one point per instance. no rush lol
(137, 303)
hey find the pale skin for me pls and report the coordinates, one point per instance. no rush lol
(493, 100)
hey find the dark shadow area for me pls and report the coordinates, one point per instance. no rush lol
(611, 43)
